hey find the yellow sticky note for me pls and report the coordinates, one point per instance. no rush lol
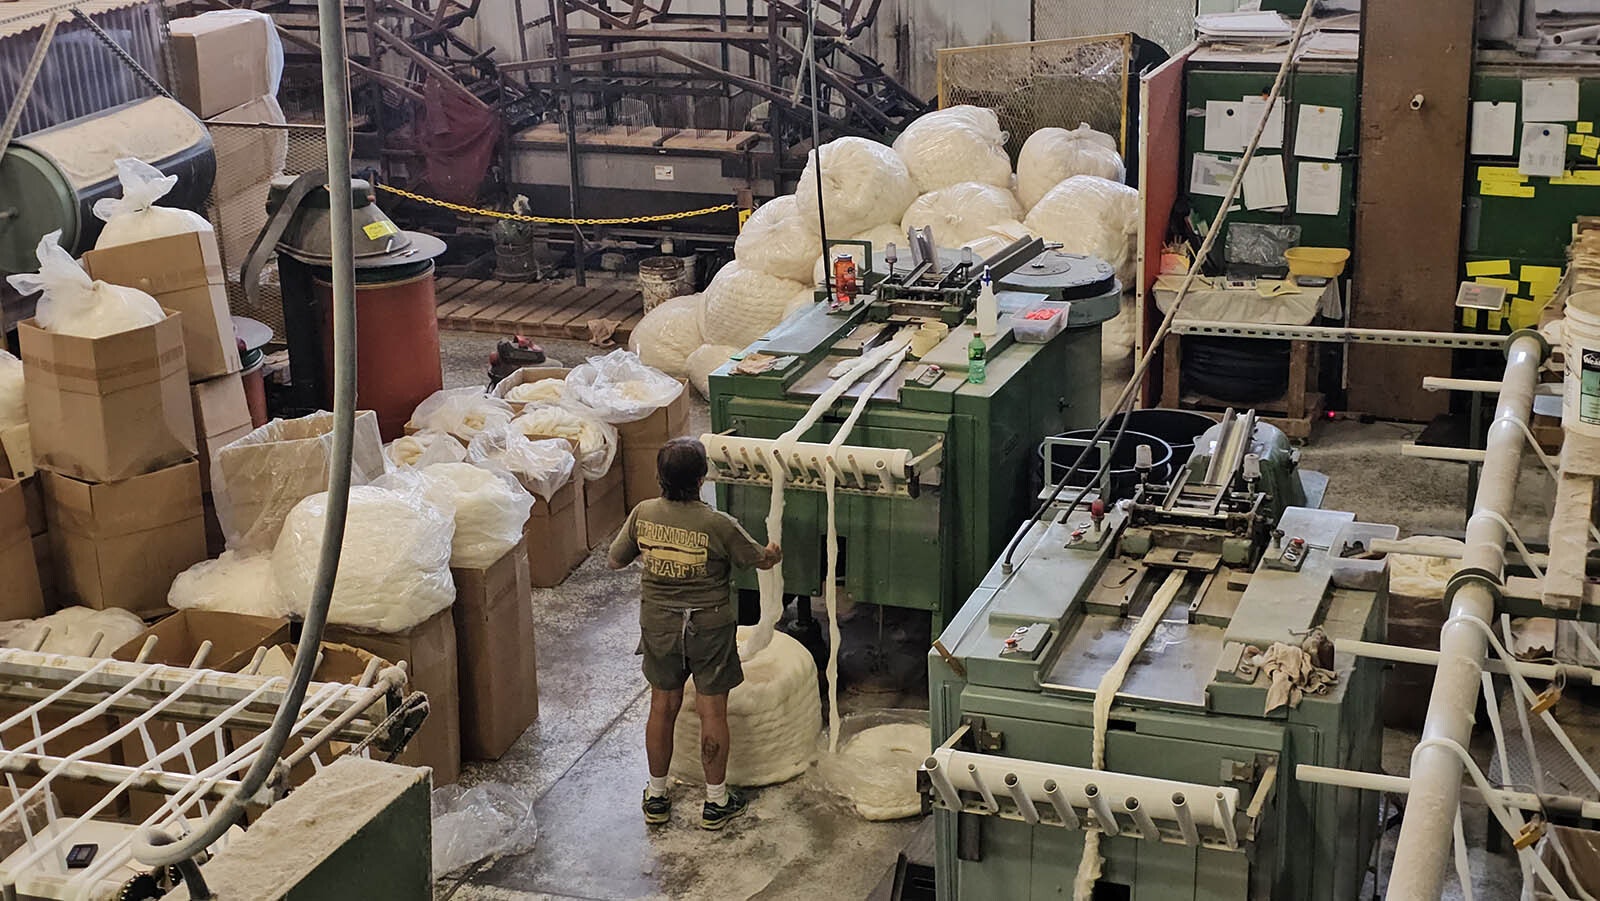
(380, 229)
(1500, 173)
(1469, 318)
(1540, 274)
(1578, 177)
(1525, 313)
(1575, 139)
(1502, 189)
(1585, 128)
(1591, 145)
(1496, 320)
(1488, 267)
(1511, 285)
(1541, 290)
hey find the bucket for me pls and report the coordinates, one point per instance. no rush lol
(1580, 336)
(1178, 428)
(1123, 475)
(659, 279)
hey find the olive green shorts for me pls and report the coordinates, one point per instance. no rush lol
(677, 644)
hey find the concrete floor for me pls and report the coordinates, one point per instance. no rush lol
(583, 761)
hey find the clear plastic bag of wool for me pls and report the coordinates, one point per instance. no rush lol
(425, 448)
(232, 583)
(774, 719)
(134, 216)
(954, 145)
(488, 504)
(543, 466)
(864, 183)
(664, 338)
(1091, 215)
(597, 441)
(962, 213)
(620, 388)
(1050, 156)
(874, 771)
(706, 360)
(394, 564)
(75, 304)
(462, 412)
(742, 304)
(777, 240)
(13, 396)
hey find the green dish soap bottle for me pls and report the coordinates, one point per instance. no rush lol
(977, 360)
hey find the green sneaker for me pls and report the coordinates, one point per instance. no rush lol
(715, 816)
(657, 810)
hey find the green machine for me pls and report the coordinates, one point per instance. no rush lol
(1197, 795)
(938, 471)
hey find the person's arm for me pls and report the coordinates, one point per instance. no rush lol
(746, 551)
(625, 547)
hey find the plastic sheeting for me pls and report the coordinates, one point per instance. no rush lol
(425, 448)
(664, 338)
(778, 240)
(1093, 216)
(473, 824)
(1050, 156)
(961, 143)
(232, 583)
(706, 360)
(962, 213)
(597, 441)
(488, 504)
(462, 412)
(875, 769)
(13, 399)
(135, 217)
(75, 304)
(394, 564)
(864, 184)
(619, 388)
(742, 304)
(542, 466)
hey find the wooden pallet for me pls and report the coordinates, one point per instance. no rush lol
(536, 309)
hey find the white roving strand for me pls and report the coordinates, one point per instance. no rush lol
(1104, 694)
(770, 581)
(830, 590)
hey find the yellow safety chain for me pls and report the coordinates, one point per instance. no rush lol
(518, 217)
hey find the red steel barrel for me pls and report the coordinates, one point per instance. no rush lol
(397, 343)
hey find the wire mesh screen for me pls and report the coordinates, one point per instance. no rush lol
(249, 155)
(1169, 23)
(1043, 83)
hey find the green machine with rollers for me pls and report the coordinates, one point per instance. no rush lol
(953, 462)
(1198, 795)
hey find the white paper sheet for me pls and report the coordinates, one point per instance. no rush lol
(1251, 109)
(1318, 188)
(1544, 149)
(1316, 133)
(1494, 128)
(1264, 186)
(1210, 175)
(1225, 128)
(1550, 100)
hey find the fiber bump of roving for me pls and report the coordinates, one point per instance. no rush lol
(962, 213)
(864, 183)
(778, 240)
(667, 334)
(1050, 156)
(1091, 215)
(956, 144)
(742, 304)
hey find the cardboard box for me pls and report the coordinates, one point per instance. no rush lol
(234, 639)
(107, 409)
(33, 500)
(184, 274)
(259, 478)
(429, 650)
(250, 145)
(340, 663)
(557, 535)
(21, 596)
(605, 508)
(221, 417)
(222, 62)
(45, 562)
(524, 376)
(16, 452)
(642, 440)
(120, 544)
(494, 634)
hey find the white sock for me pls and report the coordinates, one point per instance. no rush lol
(658, 787)
(717, 794)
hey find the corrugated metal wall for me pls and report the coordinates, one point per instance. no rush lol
(80, 74)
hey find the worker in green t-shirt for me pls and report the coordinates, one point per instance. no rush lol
(687, 621)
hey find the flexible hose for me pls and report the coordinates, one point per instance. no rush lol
(153, 847)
